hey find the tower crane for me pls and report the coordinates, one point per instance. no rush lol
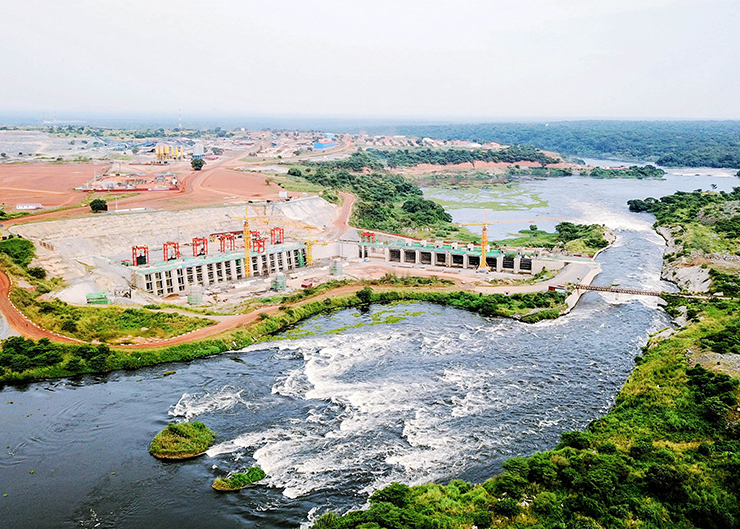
(483, 265)
(248, 240)
(309, 246)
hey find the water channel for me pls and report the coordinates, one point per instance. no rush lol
(356, 400)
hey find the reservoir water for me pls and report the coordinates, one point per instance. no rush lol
(356, 400)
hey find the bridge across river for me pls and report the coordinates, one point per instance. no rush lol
(620, 290)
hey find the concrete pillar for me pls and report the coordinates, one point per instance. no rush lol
(448, 259)
(517, 264)
(417, 257)
(466, 260)
(387, 253)
(500, 263)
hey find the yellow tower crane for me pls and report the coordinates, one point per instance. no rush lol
(248, 240)
(483, 265)
(309, 247)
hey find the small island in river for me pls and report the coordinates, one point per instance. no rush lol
(182, 441)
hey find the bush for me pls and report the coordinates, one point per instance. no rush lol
(20, 250)
(395, 493)
(37, 272)
(507, 507)
(98, 205)
(578, 440)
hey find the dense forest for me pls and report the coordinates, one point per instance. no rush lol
(377, 159)
(669, 143)
(409, 158)
(634, 171)
(682, 207)
(385, 201)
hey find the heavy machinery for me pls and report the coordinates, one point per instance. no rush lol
(248, 240)
(483, 266)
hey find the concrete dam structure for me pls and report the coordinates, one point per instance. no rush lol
(453, 256)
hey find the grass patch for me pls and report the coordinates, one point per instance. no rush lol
(182, 441)
(103, 324)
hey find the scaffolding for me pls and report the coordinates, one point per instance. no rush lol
(277, 236)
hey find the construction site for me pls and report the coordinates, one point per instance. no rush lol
(228, 254)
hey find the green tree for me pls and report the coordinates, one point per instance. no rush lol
(365, 295)
(98, 205)
(197, 163)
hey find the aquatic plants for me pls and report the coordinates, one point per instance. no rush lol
(239, 480)
(182, 440)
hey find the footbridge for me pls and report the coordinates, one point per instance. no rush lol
(620, 290)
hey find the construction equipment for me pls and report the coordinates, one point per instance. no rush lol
(483, 266)
(248, 240)
(139, 255)
(200, 246)
(309, 247)
(277, 236)
(227, 242)
(171, 251)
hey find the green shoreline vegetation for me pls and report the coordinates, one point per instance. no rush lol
(23, 360)
(239, 480)
(182, 441)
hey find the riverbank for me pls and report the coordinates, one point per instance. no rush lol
(262, 324)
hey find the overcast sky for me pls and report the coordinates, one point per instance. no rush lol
(430, 59)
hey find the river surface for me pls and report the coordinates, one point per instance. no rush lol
(354, 401)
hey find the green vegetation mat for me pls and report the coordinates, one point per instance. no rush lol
(182, 441)
(238, 480)
(104, 324)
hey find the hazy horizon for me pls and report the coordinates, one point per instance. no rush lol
(481, 60)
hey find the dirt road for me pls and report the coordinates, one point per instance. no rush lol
(18, 322)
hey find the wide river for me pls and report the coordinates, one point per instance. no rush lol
(356, 400)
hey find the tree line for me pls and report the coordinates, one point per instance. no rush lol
(667, 143)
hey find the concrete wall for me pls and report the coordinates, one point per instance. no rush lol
(113, 235)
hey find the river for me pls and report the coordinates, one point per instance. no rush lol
(356, 400)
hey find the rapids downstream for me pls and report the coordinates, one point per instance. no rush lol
(354, 401)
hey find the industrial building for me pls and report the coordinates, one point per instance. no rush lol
(176, 276)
